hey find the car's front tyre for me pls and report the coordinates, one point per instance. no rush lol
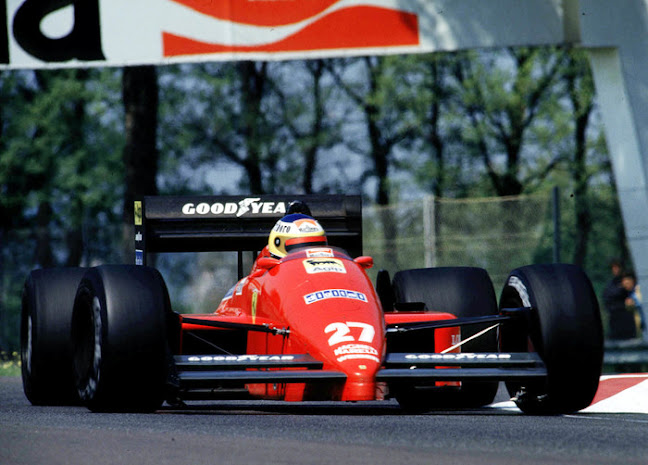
(463, 292)
(564, 328)
(119, 338)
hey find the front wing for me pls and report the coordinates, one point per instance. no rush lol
(196, 374)
(199, 372)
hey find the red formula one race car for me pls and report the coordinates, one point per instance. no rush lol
(306, 323)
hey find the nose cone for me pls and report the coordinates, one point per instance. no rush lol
(361, 380)
(348, 335)
(334, 312)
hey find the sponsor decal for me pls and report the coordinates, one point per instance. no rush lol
(519, 286)
(356, 351)
(342, 332)
(250, 205)
(53, 33)
(324, 265)
(138, 236)
(467, 356)
(255, 298)
(239, 286)
(285, 26)
(229, 294)
(137, 208)
(282, 227)
(31, 30)
(334, 294)
(139, 257)
(319, 252)
(240, 358)
(306, 226)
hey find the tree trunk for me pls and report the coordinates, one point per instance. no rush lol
(44, 253)
(253, 87)
(74, 231)
(434, 131)
(315, 135)
(580, 95)
(140, 95)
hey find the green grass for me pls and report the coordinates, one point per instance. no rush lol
(9, 364)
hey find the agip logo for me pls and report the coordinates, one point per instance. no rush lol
(324, 265)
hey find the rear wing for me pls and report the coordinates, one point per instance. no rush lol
(237, 223)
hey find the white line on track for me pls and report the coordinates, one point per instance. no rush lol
(618, 417)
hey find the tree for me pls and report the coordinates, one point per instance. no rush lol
(436, 152)
(59, 155)
(53, 151)
(305, 116)
(387, 123)
(503, 100)
(268, 119)
(140, 155)
(232, 115)
(580, 90)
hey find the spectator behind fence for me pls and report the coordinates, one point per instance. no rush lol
(633, 302)
(621, 320)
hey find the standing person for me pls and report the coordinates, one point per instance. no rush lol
(633, 302)
(621, 322)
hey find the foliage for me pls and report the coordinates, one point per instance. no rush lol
(9, 364)
(60, 176)
(267, 119)
(60, 159)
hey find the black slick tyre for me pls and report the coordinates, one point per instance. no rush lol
(45, 328)
(463, 292)
(119, 338)
(564, 327)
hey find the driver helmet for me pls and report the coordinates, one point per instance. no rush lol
(293, 231)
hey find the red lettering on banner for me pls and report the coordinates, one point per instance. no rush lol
(260, 12)
(354, 27)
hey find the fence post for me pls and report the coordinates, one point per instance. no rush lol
(429, 231)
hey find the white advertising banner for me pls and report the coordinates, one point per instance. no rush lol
(61, 33)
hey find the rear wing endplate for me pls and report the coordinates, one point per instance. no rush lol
(237, 223)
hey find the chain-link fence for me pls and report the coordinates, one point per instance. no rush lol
(497, 234)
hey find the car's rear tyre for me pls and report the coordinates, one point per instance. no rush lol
(463, 292)
(565, 329)
(119, 338)
(45, 323)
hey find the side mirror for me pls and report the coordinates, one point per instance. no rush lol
(364, 261)
(267, 262)
(264, 264)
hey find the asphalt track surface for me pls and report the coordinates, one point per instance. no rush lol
(314, 433)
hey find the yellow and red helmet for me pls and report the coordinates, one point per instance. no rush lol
(293, 231)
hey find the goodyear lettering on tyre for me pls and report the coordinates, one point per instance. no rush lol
(517, 284)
